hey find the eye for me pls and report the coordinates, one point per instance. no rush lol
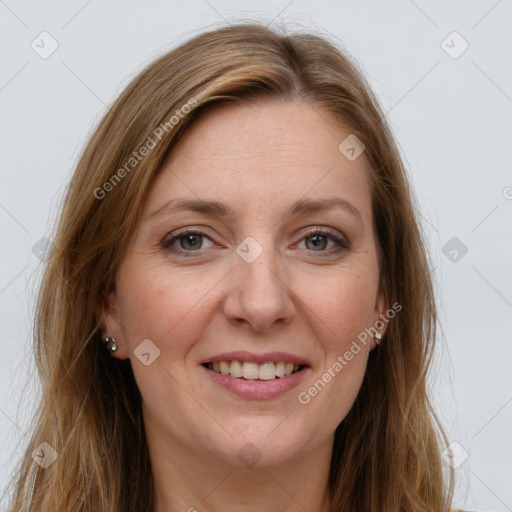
(318, 240)
(185, 242)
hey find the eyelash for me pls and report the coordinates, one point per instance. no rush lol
(343, 244)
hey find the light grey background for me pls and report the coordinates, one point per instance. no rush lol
(452, 119)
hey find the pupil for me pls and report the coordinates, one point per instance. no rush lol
(318, 241)
(191, 240)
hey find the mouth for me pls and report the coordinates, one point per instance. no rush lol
(251, 370)
(255, 375)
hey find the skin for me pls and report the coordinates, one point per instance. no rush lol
(298, 297)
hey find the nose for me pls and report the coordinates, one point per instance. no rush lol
(259, 295)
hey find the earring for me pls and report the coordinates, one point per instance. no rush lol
(377, 337)
(110, 344)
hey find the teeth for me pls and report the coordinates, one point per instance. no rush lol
(252, 371)
(249, 371)
(280, 369)
(236, 369)
(267, 371)
(224, 368)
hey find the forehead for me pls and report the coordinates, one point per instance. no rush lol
(261, 155)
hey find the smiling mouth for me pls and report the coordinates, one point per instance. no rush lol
(253, 371)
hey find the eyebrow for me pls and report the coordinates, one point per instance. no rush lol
(216, 208)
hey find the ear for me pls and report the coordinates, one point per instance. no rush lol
(380, 321)
(110, 324)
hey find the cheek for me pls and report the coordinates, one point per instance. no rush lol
(346, 307)
(158, 304)
(339, 316)
(340, 307)
(155, 304)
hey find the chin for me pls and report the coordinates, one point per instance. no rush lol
(261, 447)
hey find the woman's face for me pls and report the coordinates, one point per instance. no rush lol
(226, 266)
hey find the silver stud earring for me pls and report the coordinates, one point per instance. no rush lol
(377, 337)
(110, 344)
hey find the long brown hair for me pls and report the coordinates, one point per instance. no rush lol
(387, 451)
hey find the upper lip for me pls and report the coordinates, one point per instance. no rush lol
(265, 357)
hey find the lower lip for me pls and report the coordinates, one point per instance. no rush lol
(257, 389)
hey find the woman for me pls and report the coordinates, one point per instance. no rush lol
(238, 312)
